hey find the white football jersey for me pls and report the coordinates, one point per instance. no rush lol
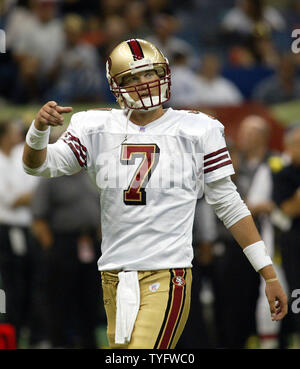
(149, 179)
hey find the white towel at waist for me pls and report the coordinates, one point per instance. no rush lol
(128, 304)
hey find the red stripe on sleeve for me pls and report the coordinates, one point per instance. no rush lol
(216, 160)
(77, 140)
(81, 161)
(217, 166)
(76, 144)
(215, 153)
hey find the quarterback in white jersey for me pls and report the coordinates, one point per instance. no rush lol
(150, 165)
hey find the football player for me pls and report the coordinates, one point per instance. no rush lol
(150, 165)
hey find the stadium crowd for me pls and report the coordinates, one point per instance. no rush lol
(58, 48)
(222, 53)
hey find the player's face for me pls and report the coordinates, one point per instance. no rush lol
(145, 83)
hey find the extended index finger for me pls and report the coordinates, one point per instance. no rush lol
(52, 104)
(63, 109)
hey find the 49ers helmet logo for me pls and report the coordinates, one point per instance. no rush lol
(178, 281)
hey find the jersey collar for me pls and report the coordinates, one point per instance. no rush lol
(153, 124)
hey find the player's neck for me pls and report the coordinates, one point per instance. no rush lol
(141, 118)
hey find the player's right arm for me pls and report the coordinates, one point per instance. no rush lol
(49, 115)
(65, 157)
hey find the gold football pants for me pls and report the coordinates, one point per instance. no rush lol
(165, 297)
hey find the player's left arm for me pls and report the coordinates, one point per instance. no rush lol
(230, 208)
(221, 194)
(246, 233)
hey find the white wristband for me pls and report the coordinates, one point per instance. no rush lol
(257, 255)
(36, 139)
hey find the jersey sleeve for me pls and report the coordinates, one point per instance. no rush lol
(74, 138)
(217, 161)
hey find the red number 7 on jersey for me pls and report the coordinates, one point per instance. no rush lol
(135, 194)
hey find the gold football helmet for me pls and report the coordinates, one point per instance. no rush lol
(133, 56)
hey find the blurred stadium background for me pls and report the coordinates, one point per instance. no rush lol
(229, 58)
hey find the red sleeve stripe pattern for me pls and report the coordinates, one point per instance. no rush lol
(78, 149)
(217, 159)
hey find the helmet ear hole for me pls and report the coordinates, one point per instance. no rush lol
(160, 72)
(119, 81)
